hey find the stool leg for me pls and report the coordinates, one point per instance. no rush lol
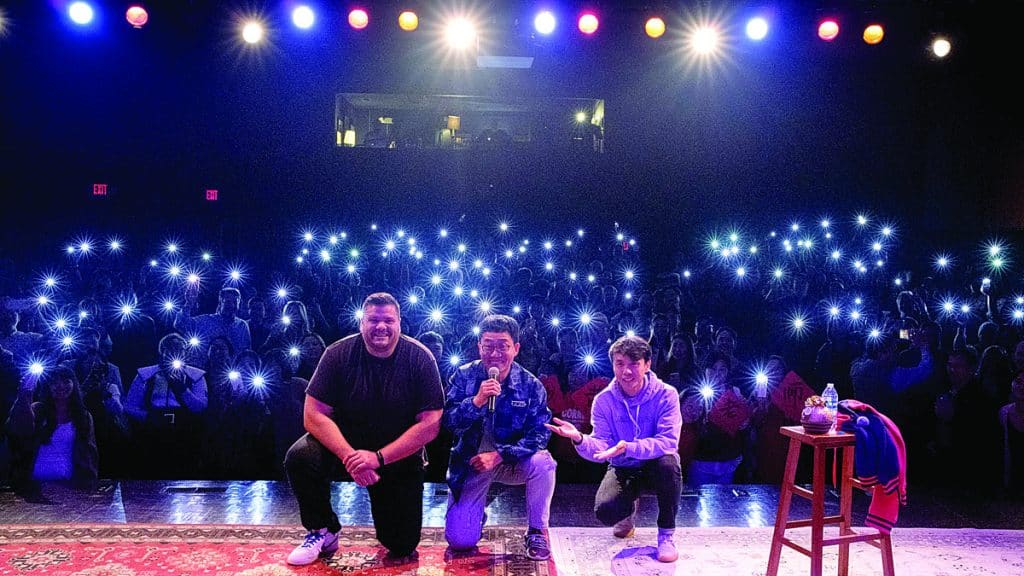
(818, 511)
(887, 564)
(845, 508)
(785, 498)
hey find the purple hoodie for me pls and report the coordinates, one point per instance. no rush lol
(649, 422)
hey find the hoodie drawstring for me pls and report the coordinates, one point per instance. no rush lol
(635, 421)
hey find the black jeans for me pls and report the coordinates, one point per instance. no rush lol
(396, 500)
(622, 486)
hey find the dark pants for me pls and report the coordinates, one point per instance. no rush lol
(396, 500)
(622, 486)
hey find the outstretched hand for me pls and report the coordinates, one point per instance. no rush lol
(564, 429)
(612, 452)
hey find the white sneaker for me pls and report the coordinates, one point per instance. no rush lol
(317, 543)
(666, 548)
(624, 528)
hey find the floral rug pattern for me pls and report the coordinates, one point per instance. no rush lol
(150, 550)
(179, 550)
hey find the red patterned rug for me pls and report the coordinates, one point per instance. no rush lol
(158, 550)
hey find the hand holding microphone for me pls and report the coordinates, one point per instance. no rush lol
(489, 389)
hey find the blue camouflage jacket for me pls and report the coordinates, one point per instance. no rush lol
(520, 412)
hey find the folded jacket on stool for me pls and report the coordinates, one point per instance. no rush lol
(880, 460)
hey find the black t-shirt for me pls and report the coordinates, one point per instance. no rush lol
(375, 400)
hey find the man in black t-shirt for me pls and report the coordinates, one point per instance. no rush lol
(373, 403)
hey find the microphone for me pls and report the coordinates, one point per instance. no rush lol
(492, 373)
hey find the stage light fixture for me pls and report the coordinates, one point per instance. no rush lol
(136, 16)
(358, 19)
(545, 22)
(941, 47)
(588, 23)
(757, 28)
(460, 33)
(704, 40)
(81, 13)
(408, 21)
(252, 32)
(303, 17)
(873, 34)
(655, 27)
(828, 30)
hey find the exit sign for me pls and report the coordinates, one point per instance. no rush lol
(99, 189)
(211, 195)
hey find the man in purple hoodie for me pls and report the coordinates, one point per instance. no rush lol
(636, 423)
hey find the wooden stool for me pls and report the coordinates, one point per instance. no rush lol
(820, 443)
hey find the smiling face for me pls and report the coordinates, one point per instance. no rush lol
(630, 373)
(380, 326)
(61, 388)
(680, 350)
(497, 350)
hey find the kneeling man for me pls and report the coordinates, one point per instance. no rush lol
(497, 412)
(636, 424)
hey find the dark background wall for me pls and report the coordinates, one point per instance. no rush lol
(794, 126)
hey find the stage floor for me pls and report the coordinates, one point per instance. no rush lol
(272, 503)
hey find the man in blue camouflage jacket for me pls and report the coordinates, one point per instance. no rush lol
(496, 411)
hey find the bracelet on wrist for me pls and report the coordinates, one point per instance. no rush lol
(580, 442)
(380, 459)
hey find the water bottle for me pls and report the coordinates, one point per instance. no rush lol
(831, 398)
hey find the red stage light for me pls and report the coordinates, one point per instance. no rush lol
(137, 16)
(828, 30)
(358, 19)
(588, 23)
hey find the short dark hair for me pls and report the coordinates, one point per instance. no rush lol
(430, 337)
(168, 339)
(500, 323)
(228, 290)
(632, 347)
(382, 299)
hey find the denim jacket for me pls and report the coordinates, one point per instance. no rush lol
(520, 412)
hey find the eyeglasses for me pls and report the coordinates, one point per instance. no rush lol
(491, 348)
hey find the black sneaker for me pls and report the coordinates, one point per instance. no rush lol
(537, 546)
(398, 559)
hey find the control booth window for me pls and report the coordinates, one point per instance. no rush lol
(403, 121)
